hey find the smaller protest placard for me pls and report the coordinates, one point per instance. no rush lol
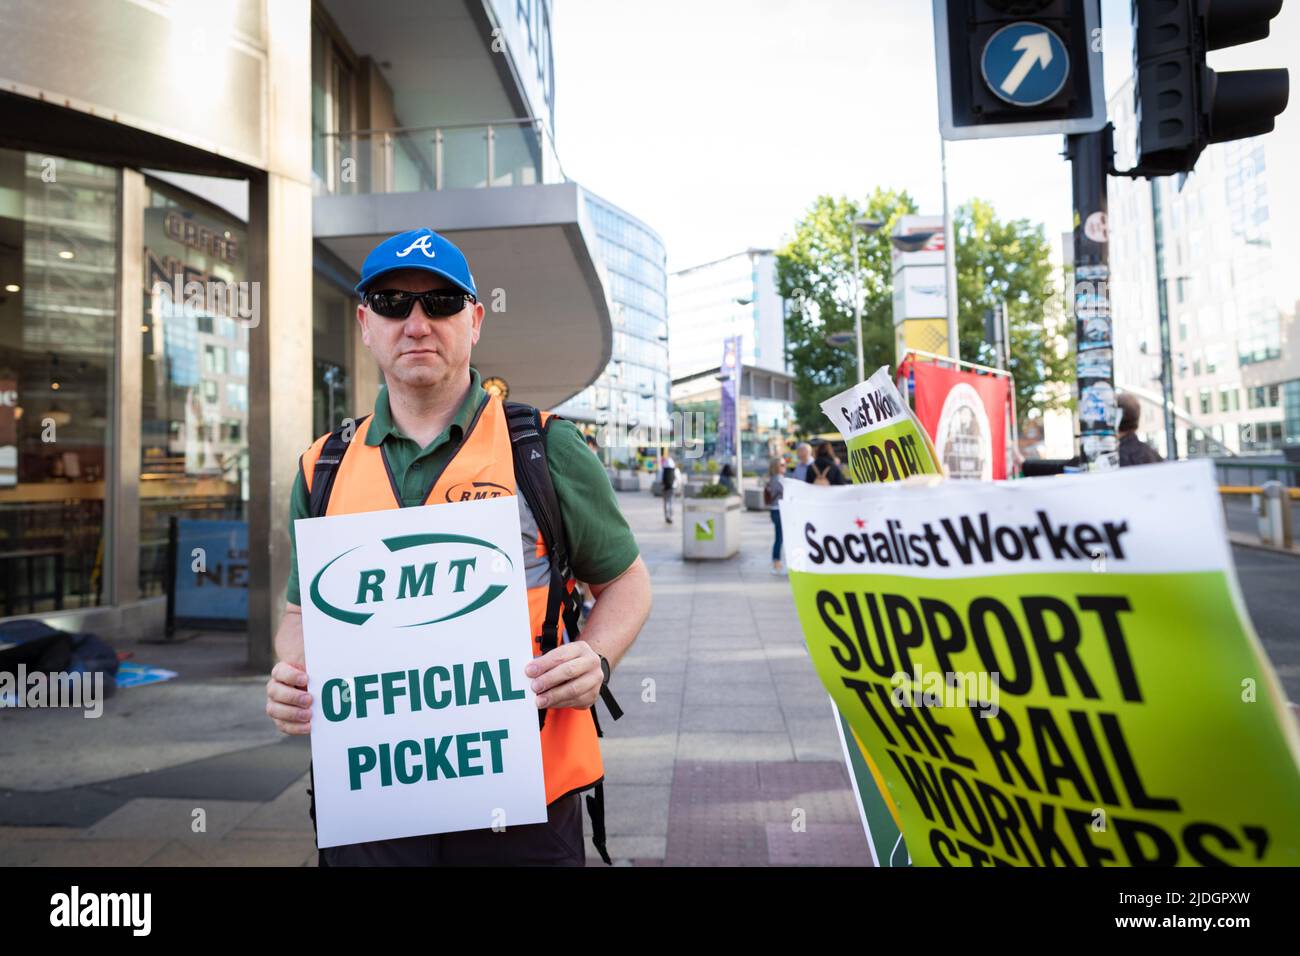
(884, 439)
(416, 630)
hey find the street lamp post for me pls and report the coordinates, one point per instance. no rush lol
(949, 255)
(868, 226)
(741, 301)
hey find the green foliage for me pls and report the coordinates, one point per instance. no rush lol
(712, 467)
(1009, 261)
(995, 260)
(713, 491)
(814, 273)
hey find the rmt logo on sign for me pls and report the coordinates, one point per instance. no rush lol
(411, 580)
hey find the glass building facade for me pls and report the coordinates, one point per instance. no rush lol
(1229, 294)
(58, 303)
(635, 388)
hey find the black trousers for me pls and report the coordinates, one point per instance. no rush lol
(557, 842)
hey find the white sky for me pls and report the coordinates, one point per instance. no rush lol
(717, 122)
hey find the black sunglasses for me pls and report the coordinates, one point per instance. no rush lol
(396, 304)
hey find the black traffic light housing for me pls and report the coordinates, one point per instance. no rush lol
(969, 109)
(1181, 104)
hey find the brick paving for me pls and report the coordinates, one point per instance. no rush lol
(739, 734)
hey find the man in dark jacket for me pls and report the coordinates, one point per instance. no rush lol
(1133, 450)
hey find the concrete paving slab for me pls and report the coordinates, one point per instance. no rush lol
(155, 819)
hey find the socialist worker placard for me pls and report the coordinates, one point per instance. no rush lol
(1052, 672)
(416, 629)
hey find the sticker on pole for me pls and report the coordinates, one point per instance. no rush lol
(1025, 64)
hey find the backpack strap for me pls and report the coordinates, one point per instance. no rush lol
(533, 477)
(327, 466)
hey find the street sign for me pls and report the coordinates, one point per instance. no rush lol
(1018, 69)
(1025, 64)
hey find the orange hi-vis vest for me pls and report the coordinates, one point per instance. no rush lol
(483, 467)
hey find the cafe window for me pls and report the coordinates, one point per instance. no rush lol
(199, 305)
(58, 288)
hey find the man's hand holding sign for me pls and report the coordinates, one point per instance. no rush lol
(568, 676)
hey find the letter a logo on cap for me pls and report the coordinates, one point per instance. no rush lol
(422, 244)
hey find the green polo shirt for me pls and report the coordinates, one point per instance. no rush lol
(600, 542)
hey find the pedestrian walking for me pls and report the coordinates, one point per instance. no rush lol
(668, 478)
(772, 493)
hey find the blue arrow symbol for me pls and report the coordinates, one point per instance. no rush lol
(1034, 48)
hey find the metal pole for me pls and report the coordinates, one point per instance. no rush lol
(1162, 302)
(1090, 156)
(857, 302)
(950, 256)
(740, 459)
(1004, 333)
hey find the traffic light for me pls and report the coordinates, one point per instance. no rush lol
(1181, 104)
(1018, 67)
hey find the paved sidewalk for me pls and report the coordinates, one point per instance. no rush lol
(728, 741)
(727, 753)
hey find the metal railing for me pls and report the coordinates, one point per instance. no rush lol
(511, 152)
(1242, 472)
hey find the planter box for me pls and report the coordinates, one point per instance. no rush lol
(626, 481)
(692, 488)
(711, 528)
(644, 480)
(754, 499)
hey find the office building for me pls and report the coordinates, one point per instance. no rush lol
(187, 192)
(710, 302)
(633, 392)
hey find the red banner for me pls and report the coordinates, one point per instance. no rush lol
(966, 416)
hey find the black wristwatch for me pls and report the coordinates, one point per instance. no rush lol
(604, 670)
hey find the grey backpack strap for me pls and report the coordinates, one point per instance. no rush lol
(327, 466)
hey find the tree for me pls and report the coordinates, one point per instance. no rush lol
(1009, 261)
(814, 274)
(996, 261)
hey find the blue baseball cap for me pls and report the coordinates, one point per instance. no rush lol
(417, 249)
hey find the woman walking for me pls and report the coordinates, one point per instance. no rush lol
(772, 500)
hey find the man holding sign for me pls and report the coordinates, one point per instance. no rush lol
(449, 714)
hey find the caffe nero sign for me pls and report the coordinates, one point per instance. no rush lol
(413, 580)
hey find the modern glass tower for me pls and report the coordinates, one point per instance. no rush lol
(635, 388)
